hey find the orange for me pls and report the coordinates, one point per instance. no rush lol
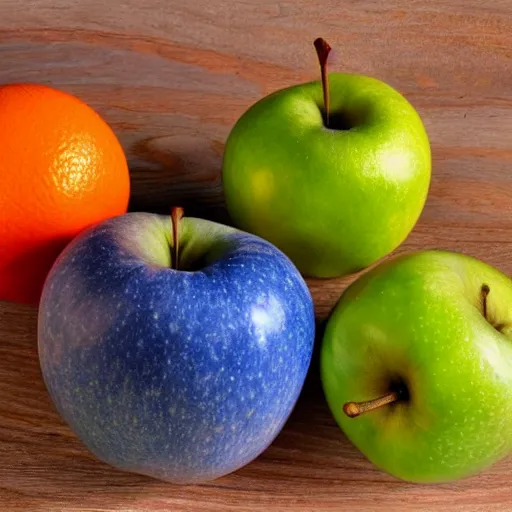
(62, 169)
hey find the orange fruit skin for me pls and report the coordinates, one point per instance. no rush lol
(62, 170)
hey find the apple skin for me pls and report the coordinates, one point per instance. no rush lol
(334, 201)
(419, 318)
(180, 375)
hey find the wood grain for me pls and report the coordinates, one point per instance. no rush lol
(171, 77)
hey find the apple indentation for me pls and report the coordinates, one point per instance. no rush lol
(337, 121)
(196, 264)
(399, 386)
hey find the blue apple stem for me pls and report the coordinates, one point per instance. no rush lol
(322, 50)
(354, 409)
(176, 216)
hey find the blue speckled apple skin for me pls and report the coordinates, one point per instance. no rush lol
(183, 376)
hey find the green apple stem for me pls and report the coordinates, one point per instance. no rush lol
(484, 292)
(322, 50)
(176, 215)
(354, 409)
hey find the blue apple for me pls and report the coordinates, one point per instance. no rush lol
(183, 374)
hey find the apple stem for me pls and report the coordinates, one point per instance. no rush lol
(484, 292)
(176, 215)
(322, 50)
(354, 409)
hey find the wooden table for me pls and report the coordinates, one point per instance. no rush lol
(171, 77)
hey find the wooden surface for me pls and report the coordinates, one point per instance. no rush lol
(171, 77)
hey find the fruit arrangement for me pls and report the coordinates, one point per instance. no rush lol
(177, 347)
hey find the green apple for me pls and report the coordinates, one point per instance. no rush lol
(429, 335)
(335, 199)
